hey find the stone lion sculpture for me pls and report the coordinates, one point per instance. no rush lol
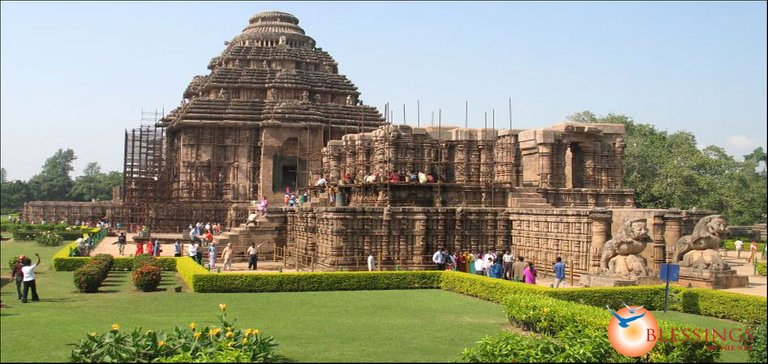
(700, 249)
(620, 255)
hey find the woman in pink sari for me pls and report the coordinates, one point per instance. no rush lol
(529, 273)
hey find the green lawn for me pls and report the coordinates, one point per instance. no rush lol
(734, 356)
(411, 325)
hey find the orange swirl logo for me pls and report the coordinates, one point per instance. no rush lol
(628, 328)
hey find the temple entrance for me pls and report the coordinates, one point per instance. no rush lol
(289, 174)
(576, 166)
(288, 169)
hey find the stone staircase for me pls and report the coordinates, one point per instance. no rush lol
(267, 232)
(527, 198)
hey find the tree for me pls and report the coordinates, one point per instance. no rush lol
(668, 170)
(94, 185)
(3, 175)
(13, 195)
(53, 183)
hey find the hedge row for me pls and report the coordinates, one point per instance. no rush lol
(63, 262)
(706, 302)
(188, 270)
(330, 281)
(553, 317)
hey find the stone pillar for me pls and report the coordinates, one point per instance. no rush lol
(601, 231)
(460, 163)
(659, 248)
(618, 182)
(420, 238)
(673, 224)
(569, 165)
(459, 231)
(545, 165)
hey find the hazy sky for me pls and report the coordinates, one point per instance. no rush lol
(76, 75)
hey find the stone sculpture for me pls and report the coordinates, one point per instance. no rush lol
(620, 255)
(700, 249)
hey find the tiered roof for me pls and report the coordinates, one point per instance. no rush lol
(272, 72)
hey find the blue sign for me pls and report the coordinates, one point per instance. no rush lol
(669, 272)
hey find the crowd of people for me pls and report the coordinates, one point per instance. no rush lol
(496, 265)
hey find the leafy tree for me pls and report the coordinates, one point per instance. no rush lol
(668, 170)
(94, 185)
(53, 182)
(13, 196)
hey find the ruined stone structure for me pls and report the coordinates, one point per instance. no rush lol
(275, 113)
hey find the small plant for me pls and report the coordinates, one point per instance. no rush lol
(219, 344)
(147, 278)
(48, 238)
(143, 260)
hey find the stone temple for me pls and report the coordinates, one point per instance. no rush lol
(274, 113)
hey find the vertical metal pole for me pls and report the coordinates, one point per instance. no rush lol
(404, 114)
(666, 289)
(418, 114)
(466, 113)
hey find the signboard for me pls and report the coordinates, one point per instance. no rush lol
(669, 272)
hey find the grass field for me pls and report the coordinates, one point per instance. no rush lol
(360, 326)
(412, 325)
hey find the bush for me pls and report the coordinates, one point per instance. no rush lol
(330, 281)
(88, 278)
(12, 262)
(225, 343)
(188, 269)
(761, 269)
(48, 238)
(24, 235)
(109, 259)
(726, 305)
(147, 278)
(143, 260)
(757, 343)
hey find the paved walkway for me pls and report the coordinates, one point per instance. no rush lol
(757, 284)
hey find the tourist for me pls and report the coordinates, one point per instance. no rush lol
(29, 279)
(738, 244)
(139, 247)
(292, 200)
(285, 199)
(193, 251)
(461, 261)
(252, 257)
(121, 240)
(529, 273)
(480, 265)
(156, 249)
(371, 263)
(518, 268)
(752, 251)
(82, 247)
(226, 254)
(496, 270)
(439, 259)
(471, 263)
(559, 269)
(212, 257)
(199, 253)
(176, 249)
(508, 259)
(18, 274)
(263, 205)
(208, 238)
(150, 247)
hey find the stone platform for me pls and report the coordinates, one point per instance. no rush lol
(599, 280)
(701, 278)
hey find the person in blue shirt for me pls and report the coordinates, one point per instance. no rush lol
(559, 268)
(496, 269)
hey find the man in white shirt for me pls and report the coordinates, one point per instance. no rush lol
(739, 244)
(508, 259)
(371, 263)
(439, 259)
(193, 251)
(29, 279)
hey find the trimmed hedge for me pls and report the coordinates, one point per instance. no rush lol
(707, 302)
(63, 262)
(188, 269)
(725, 305)
(551, 316)
(326, 281)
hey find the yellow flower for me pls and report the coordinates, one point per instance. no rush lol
(245, 340)
(197, 335)
(192, 326)
(229, 335)
(161, 343)
(231, 344)
(223, 307)
(214, 331)
(248, 332)
(115, 327)
(256, 331)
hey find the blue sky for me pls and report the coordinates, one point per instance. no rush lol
(76, 75)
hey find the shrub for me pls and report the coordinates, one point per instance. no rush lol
(88, 278)
(225, 343)
(144, 259)
(726, 305)
(12, 262)
(188, 269)
(24, 235)
(147, 278)
(109, 259)
(330, 281)
(48, 238)
(761, 269)
(757, 343)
